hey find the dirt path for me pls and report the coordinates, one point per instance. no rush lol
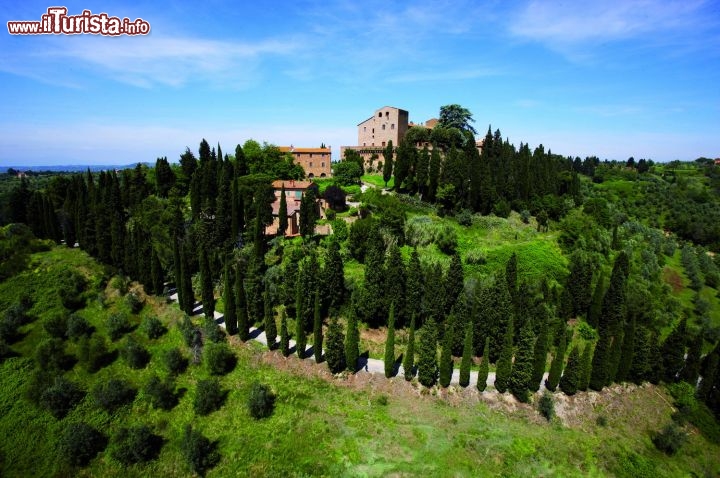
(365, 365)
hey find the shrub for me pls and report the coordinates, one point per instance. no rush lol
(464, 217)
(586, 331)
(153, 328)
(71, 288)
(525, 216)
(502, 208)
(446, 239)
(112, 394)
(199, 452)
(208, 396)
(13, 318)
(135, 355)
(219, 359)
(79, 443)
(135, 445)
(117, 325)
(212, 331)
(340, 229)
(56, 325)
(546, 405)
(670, 439)
(261, 401)
(174, 361)
(161, 394)
(134, 302)
(93, 353)
(61, 397)
(601, 421)
(50, 354)
(78, 327)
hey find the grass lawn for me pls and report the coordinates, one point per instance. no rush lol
(377, 180)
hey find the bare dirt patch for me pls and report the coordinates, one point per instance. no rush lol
(673, 279)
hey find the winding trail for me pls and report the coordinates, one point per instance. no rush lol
(365, 365)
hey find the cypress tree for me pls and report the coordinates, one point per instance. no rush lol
(556, 366)
(208, 297)
(709, 379)
(593, 313)
(409, 357)
(394, 292)
(335, 353)
(317, 329)
(388, 164)
(231, 322)
(522, 368)
(186, 283)
(586, 367)
(673, 352)
(434, 173)
(300, 337)
(427, 360)
(284, 335)
(613, 361)
(657, 371)
(270, 327)
(540, 355)
(446, 361)
(627, 356)
(157, 273)
(334, 283)
(176, 272)
(282, 214)
(352, 342)
(414, 286)
(421, 170)
(571, 376)
(241, 307)
(503, 367)
(466, 362)
(484, 366)
(390, 344)
(511, 276)
(235, 208)
(454, 282)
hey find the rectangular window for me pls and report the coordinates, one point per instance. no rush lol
(298, 194)
(383, 143)
(311, 164)
(383, 127)
(392, 126)
(322, 165)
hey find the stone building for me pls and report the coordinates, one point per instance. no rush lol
(294, 191)
(315, 161)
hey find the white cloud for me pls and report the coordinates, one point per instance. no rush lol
(565, 25)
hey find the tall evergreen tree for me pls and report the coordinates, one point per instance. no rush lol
(352, 342)
(522, 368)
(270, 327)
(235, 211)
(586, 367)
(673, 352)
(208, 296)
(186, 282)
(614, 357)
(390, 344)
(422, 171)
(157, 274)
(454, 282)
(176, 272)
(466, 362)
(434, 173)
(284, 334)
(334, 277)
(572, 374)
(558, 362)
(231, 322)
(373, 292)
(511, 276)
(414, 287)
(503, 368)
(540, 355)
(409, 357)
(300, 335)
(394, 290)
(446, 361)
(317, 329)
(388, 162)
(484, 366)
(427, 359)
(308, 213)
(282, 213)
(335, 353)
(241, 307)
(709, 381)
(595, 307)
(628, 352)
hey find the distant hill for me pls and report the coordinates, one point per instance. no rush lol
(71, 168)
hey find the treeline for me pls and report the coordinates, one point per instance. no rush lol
(138, 222)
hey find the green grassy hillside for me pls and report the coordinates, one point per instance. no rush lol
(359, 426)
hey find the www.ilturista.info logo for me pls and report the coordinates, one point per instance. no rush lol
(57, 22)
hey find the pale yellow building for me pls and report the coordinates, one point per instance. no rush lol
(315, 161)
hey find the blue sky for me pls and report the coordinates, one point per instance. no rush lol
(609, 78)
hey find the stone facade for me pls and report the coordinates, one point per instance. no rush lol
(386, 124)
(315, 161)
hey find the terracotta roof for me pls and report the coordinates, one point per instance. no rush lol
(291, 184)
(293, 149)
